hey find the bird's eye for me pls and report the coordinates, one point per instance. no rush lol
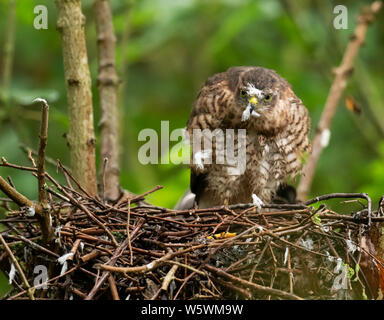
(243, 93)
(268, 98)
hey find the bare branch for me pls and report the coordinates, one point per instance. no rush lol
(16, 263)
(18, 198)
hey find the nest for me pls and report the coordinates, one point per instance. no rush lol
(133, 250)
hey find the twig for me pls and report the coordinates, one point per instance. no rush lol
(44, 219)
(41, 154)
(90, 256)
(152, 265)
(145, 194)
(290, 271)
(342, 73)
(88, 212)
(112, 285)
(5, 163)
(244, 292)
(112, 261)
(16, 263)
(251, 285)
(345, 195)
(33, 244)
(18, 198)
(74, 249)
(169, 277)
(128, 233)
(45, 283)
(187, 267)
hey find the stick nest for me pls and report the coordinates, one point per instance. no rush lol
(133, 250)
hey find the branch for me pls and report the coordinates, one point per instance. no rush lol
(16, 263)
(41, 153)
(347, 196)
(81, 136)
(44, 219)
(251, 285)
(18, 198)
(150, 266)
(112, 261)
(342, 73)
(108, 82)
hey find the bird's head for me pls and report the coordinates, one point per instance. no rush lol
(254, 101)
(260, 99)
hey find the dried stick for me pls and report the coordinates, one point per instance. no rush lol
(112, 261)
(152, 265)
(108, 82)
(16, 263)
(169, 277)
(41, 153)
(251, 285)
(5, 163)
(85, 209)
(112, 285)
(74, 249)
(81, 136)
(187, 267)
(44, 219)
(33, 244)
(128, 233)
(18, 198)
(345, 195)
(43, 284)
(342, 73)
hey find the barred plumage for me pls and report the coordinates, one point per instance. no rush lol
(276, 123)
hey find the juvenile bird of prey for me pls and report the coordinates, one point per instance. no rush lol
(276, 122)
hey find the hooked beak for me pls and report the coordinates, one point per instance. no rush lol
(250, 110)
(253, 102)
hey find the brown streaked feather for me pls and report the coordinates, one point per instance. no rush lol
(276, 141)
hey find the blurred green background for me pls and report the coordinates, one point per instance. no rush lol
(166, 49)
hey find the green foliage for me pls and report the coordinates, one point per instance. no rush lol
(317, 219)
(350, 271)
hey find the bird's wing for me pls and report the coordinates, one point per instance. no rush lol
(210, 112)
(207, 113)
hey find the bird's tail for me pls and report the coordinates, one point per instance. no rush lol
(186, 202)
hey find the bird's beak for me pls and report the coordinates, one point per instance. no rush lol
(250, 110)
(253, 102)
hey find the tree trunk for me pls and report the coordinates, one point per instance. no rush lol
(107, 85)
(81, 138)
(9, 47)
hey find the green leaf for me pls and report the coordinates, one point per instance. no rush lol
(317, 219)
(350, 271)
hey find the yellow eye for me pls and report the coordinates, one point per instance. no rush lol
(268, 98)
(243, 93)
